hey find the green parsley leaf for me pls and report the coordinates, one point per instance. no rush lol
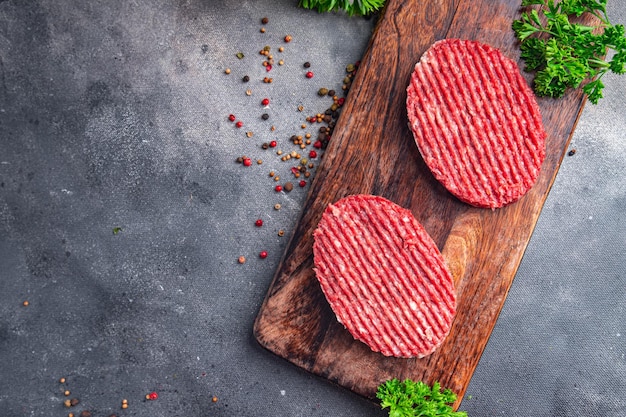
(351, 7)
(565, 54)
(412, 399)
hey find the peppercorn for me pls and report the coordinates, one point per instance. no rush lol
(239, 124)
(66, 393)
(288, 186)
(265, 145)
(265, 101)
(263, 254)
(247, 162)
(273, 144)
(25, 303)
(265, 20)
(62, 380)
(331, 93)
(265, 116)
(300, 107)
(309, 74)
(322, 91)
(281, 232)
(85, 413)
(231, 117)
(281, 62)
(302, 183)
(277, 206)
(572, 152)
(312, 154)
(241, 259)
(74, 402)
(248, 92)
(249, 134)
(152, 396)
(67, 403)
(281, 49)
(307, 64)
(258, 223)
(245, 79)
(262, 30)
(227, 71)
(288, 38)
(278, 188)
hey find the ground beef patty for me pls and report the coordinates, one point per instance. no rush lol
(476, 122)
(383, 276)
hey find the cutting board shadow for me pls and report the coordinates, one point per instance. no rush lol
(372, 151)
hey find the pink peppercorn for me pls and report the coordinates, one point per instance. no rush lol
(258, 223)
(231, 117)
(317, 144)
(278, 188)
(302, 183)
(263, 254)
(239, 124)
(268, 68)
(309, 74)
(265, 101)
(153, 396)
(313, 154)
(273, 144)
(247, 162)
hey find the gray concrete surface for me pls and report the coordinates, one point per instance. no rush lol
(113, 116)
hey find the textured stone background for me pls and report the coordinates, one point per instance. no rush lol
(114, 114)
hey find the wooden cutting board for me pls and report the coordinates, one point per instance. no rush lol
(372, 151)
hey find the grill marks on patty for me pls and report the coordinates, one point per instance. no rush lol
(476, 122)
(383, 276)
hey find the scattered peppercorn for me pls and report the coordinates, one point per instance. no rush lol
(288, 38)
(240, 55)
(312, 154)
(227, 71)
(278, 188)
(152, 396)
(307, 64)
(249, 134)
(66, 393)
(85, 413)
(288, 186)
(245, 79)
(74, 402)
(322, 91)
(247, 162)
(248, 92)
(265, 101)
(231, 117)
(214, 399)
(302, 183)
(239, 124)
(241, 260)
(309, 74)
(263, 254)
(67, 403)
(265, 20)
(281, 232)
(25, 303)
(572, 152)
(273, 144)
(62, 380)
(277, 206)
(265, 116)
(262, 30)
(258, 223)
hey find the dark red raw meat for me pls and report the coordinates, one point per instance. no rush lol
(476, 122)
(383, 276)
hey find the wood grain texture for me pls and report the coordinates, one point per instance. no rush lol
(372, 151)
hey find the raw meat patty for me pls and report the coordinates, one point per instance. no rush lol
(476, 122)
(383, 276)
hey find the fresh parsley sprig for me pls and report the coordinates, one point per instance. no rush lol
(351, 7)
(564, 54)
(412, 399)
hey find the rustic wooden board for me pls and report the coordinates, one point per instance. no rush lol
(372, 151)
